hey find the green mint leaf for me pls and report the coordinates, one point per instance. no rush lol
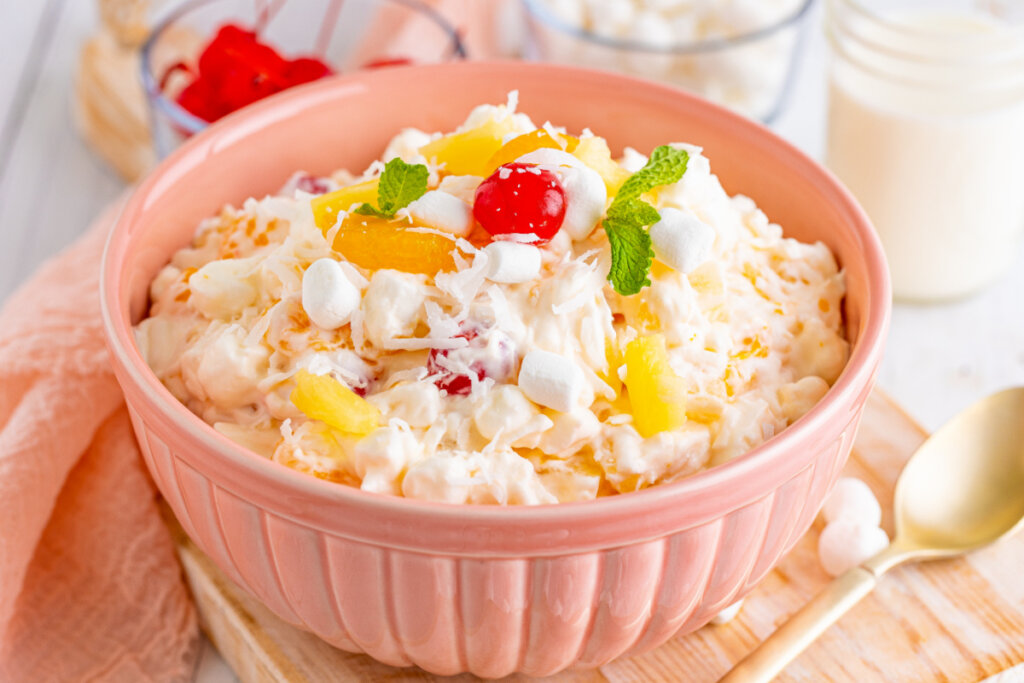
(400, 185)
(634, 211)
(631, 244)
(666, 166)
(628, 216)
(631, 255)
(370, 210)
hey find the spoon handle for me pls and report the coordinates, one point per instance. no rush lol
(783, 646)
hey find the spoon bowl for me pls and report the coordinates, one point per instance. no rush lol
(964, 487)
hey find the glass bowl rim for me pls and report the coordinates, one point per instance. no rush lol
(193, 124)
(539, 10)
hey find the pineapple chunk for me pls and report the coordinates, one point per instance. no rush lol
(594, 153)
(323, 398)
(468, 152)
(656, 393)
(326, 207)
(529, 142)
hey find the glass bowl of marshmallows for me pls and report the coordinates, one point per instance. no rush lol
(739, 53)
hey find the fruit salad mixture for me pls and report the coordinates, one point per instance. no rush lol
(502, 314)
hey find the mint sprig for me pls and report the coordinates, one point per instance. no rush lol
(628, 216)
(400, 185)
(631, 245)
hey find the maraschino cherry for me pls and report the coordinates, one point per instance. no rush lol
(488, 354)
(236, 69)
(520, 199)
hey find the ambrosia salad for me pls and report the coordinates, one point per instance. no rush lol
(502, 314)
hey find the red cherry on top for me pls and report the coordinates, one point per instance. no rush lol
(520, 198)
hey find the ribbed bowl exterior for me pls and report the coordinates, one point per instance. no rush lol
(486, 589)
(490, 616)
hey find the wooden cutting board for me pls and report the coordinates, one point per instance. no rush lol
(950, 620)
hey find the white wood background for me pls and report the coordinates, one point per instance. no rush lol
(939, 359)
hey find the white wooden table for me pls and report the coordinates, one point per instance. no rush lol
(939, 359)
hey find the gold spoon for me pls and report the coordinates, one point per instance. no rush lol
(961, 490)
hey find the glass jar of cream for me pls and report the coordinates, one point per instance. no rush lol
(926, 128)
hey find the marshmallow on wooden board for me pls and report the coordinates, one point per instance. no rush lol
(551, 380)
(852, 500)
(844, 544)
(328, 297)
(585, 191)
(727, 614)
(443, 211)
(512, 262)
(681, 240)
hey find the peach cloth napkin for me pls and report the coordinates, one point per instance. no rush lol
(89, 585)
(90, 588)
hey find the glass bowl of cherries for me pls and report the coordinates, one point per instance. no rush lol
(208, 58)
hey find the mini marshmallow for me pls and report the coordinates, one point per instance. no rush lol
(728, 614)
(667, 6)
(681, 240)
(443, 211)
(844, 544)
(461, 186)
(551, 380)
(585, 197)
(328, 297)
(853, 501)
(654, 31)
(610, 17)
(585, 191)
(511, 262)
(632, 160)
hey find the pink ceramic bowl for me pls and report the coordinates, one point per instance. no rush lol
(486, 589)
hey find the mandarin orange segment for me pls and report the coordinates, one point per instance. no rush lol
(656, 393)
(323, 398)
(529, 142)
(468, 152)
(326, 207)
(375, 243)
(594, 152)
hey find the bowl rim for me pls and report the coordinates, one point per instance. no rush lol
(539, 10)
(849, 390)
